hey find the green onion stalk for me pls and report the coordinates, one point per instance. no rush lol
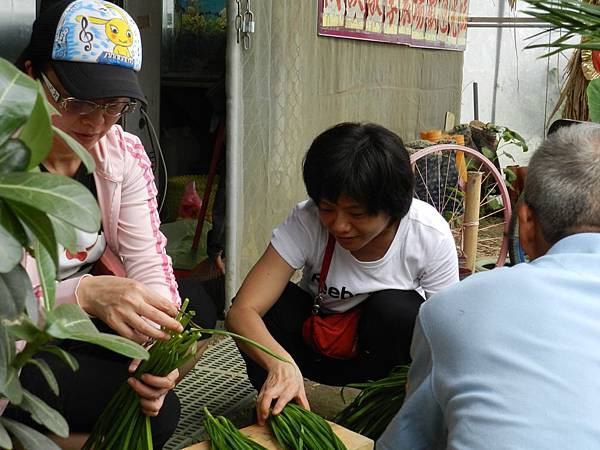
(299, 429)
(224, 435)
(122, 424)
(378, 402)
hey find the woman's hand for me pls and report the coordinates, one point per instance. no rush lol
(123, 304)
(284, 383)
(219, 264)
(152, 389)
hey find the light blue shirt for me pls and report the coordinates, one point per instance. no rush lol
(509, 359)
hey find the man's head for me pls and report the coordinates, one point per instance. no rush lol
(562, 189)
(365, 162)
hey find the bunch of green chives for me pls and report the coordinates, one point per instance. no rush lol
(122, 424)
(299, 429)
(373, 409)
(225, 436)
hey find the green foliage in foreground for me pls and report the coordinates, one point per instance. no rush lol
(38, 211)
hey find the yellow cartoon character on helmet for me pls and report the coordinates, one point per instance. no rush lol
(116, 29)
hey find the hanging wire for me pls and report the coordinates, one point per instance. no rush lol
(158, 150)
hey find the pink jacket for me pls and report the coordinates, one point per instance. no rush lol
(130, 221)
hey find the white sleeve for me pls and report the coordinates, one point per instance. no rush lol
(442, 265)
(292, 239)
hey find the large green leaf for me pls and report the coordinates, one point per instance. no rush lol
(37, 132)
(593, 98)
(14, 156)
(83, 154)
(39, 224)
(69, 321)
(32, 307)
(17, 97)
(11, 251)
(15, 288)
(117, 344)
(23, 329)
(29, 438)
(7, 353)
(44, 414)
(47, 272)
(65, 356)
(5, 441)
(64, 233)
(11, 223)
(11, 388)
(56, 195)
(47, 373)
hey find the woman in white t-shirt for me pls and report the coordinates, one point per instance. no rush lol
(391, 252)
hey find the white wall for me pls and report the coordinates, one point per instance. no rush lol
(526, 86)
(16, 19)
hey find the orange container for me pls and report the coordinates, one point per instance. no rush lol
(458, 138)
(431, 135)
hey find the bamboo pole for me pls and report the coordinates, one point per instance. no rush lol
(471, 218)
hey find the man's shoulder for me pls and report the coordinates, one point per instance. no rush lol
(483, 288)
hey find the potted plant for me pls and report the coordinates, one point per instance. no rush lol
(37, 211)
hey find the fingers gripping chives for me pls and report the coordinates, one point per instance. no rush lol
(373, 409)
(122, 424)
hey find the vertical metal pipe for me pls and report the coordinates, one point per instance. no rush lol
(499, 31)
(233, 154)
(475, 100)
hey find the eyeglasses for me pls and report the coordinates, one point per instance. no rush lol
(72, 105)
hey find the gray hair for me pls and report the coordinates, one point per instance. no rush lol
(563, 182)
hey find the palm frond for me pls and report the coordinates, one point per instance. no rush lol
(578, 19)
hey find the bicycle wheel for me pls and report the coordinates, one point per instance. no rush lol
(440, 181)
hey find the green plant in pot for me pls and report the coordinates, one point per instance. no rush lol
(37, 211)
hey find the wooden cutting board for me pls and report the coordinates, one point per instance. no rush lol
(263, 436)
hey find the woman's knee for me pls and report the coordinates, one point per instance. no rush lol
(164, 425)
(393, 307)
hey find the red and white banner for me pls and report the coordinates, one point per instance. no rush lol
(418, 23)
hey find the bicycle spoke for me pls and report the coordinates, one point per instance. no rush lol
(488, 193)
(425, 185)
(491, 214)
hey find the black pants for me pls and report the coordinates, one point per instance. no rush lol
(85, 393)
(384, 336)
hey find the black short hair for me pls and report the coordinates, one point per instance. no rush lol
(364, 161)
